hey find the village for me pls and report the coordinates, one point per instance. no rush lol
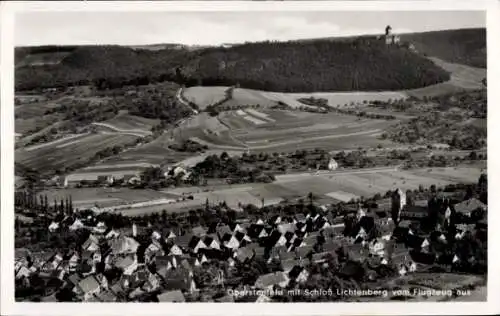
(278, 253)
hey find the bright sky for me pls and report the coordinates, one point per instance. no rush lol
(213, 28)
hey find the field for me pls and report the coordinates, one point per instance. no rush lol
(69, 151)
(104, 197)
(43, 59)
(204, 96)
(327, 187)
(286, 131)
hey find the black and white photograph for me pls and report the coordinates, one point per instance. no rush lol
(246, 156)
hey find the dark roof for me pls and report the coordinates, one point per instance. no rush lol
(183, 240)
(295, 271)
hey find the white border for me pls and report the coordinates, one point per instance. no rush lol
(9, 307)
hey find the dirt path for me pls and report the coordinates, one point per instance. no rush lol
(133, 132)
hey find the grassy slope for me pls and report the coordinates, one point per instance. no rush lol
(466, 46)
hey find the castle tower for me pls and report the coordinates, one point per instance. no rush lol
(398, 202)
(388, 30)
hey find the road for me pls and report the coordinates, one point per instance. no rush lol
(133, 132)
(183, 101)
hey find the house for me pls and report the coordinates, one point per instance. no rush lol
(414, 212)
(22, 273)
(124, 245)
(332, 164)
(175, 250)
(100, 228)
(467, 207)
(299, 274)
(91, 244)
(196, 244)
(268, 281)
(106, 179)
(244, 254)
(112, 234)
(172, 297)
(77, 224)
(127, 264)
(183, 241)
(53, 227)
(212, 241)
(377, 247)
(276, 239)
(223, 230)
(154, 249)
(286, 227)
(88, 287)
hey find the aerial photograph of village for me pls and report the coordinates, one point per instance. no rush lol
(250, 156)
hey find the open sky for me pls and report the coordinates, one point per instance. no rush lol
(214, 28)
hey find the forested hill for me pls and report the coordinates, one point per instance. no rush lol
(322, 65)
(298, 66)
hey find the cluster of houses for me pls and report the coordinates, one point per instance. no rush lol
(164, 266)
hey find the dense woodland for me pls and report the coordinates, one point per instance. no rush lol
(322, 65)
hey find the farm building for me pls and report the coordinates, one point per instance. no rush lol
(77, 178)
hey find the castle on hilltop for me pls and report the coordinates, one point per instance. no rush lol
(390, 38)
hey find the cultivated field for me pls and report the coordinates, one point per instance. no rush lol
(69, 151)
(288, 132)
(104, 197)
(154, 153)
(125, 121)
(204, 96)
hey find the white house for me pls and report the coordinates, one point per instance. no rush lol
(332, 164)
(53, 227)
(77, 224)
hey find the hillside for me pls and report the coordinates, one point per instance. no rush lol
(343, 64)
(286, 67)
(465, 46)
